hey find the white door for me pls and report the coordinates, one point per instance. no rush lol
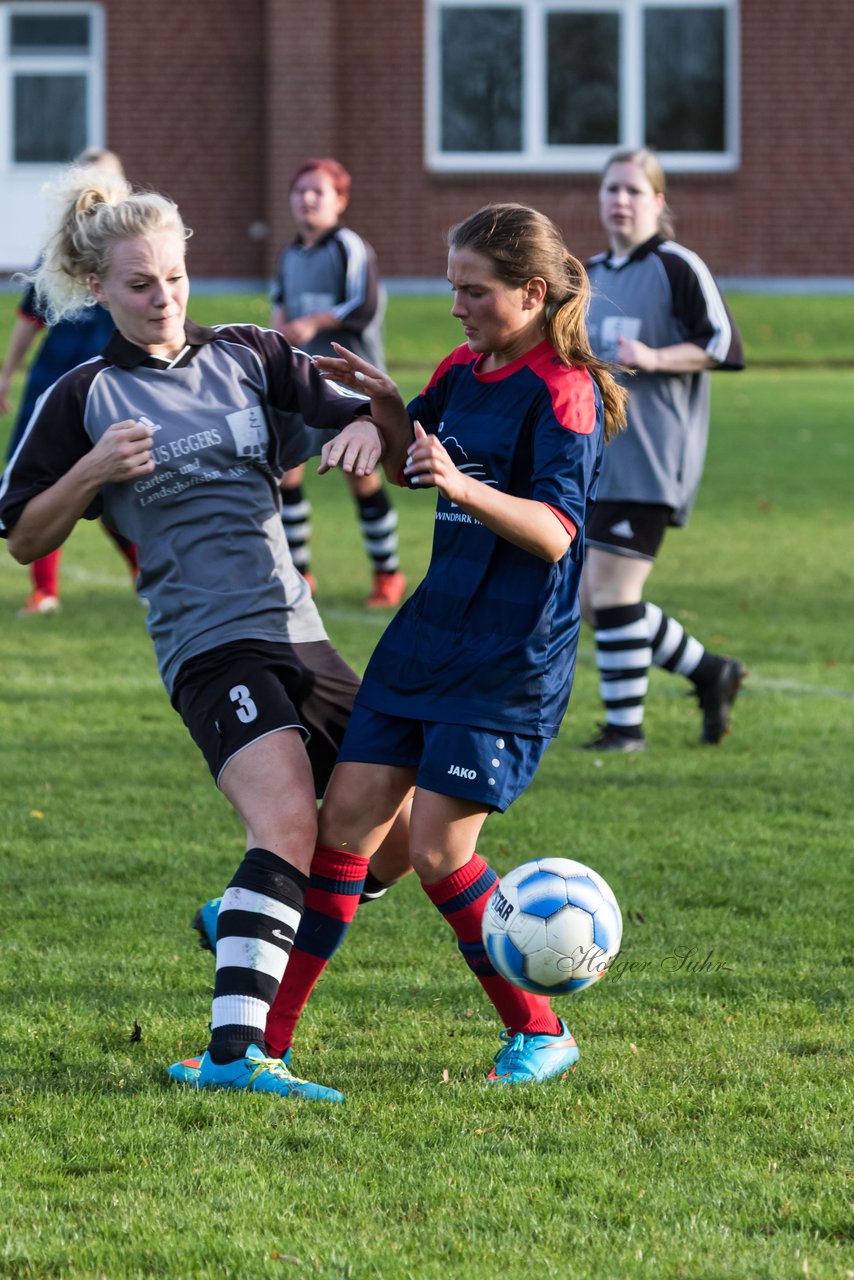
(51, 108)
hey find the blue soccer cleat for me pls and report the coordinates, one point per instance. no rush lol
(204, 922)
(524, 1059)
(254, 1073)
(187, 1071)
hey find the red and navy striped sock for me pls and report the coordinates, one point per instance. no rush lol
(462, 897)
(331, 899)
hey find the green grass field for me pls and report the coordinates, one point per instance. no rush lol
(706, 1133)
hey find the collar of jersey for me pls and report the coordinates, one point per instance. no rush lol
(507, 370)
(129, 356)
(642, 251)
(299, 243)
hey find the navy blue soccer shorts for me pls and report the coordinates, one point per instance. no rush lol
(485, 766)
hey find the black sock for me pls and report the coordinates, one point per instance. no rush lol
(372, 884)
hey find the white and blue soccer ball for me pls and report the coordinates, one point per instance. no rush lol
(552, 926)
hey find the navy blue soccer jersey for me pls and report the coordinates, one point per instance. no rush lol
(489, 638)
(65, 345)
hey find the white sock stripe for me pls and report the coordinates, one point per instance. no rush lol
(380, 546)
(653, 619)
(670, 642)
(239, 1011)
(690, 659)
(385, 523)
(297, 532)
(624, 659)
(616, 690)
(254, 954)
(292, 511)
(637, 630)
(249, 900)
(626, 717)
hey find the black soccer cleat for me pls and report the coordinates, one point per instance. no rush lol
(372, 897)
(611, 740)
(716, 698)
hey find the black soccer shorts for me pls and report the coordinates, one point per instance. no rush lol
(634, 529)
(232, 696)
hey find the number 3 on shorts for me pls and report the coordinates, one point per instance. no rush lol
(246, 711)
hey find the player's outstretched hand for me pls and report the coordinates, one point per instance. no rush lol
(358, 374)
(357, 449)
(429, 463)
(387, 408)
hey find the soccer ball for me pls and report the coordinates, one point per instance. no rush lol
(552, 926)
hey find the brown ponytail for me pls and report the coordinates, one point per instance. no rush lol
(522, 243)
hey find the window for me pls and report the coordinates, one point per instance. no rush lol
(51, 77)
(557, 85)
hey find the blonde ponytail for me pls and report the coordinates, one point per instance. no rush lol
(95, 208)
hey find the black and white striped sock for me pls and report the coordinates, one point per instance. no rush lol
(258, 919)
(674, 650)
(378, 522)
(623, 656)
(296, 518)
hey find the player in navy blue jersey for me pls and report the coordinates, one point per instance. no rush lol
(656, 310)
(327, 289)
(62, 346)
(179, 435)
(470, 681)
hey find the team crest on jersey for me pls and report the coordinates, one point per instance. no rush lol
(249, 432)
(461, 461)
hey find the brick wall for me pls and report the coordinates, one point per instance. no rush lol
(785, 212)
(216, 103)
(185, 110)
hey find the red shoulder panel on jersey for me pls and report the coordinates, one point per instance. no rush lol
(571, 390)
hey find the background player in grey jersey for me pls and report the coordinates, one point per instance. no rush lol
(326, 290)
(179, 434)
(655, 309)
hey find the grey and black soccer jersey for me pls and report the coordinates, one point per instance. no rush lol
(339, 274)
(661, 295)
(214, 562)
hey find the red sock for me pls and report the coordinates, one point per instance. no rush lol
(45, 573)
(462, 898)
(127, 548)
(331, 899)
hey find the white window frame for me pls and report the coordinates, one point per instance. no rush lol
(90, 64)
(536, 155)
